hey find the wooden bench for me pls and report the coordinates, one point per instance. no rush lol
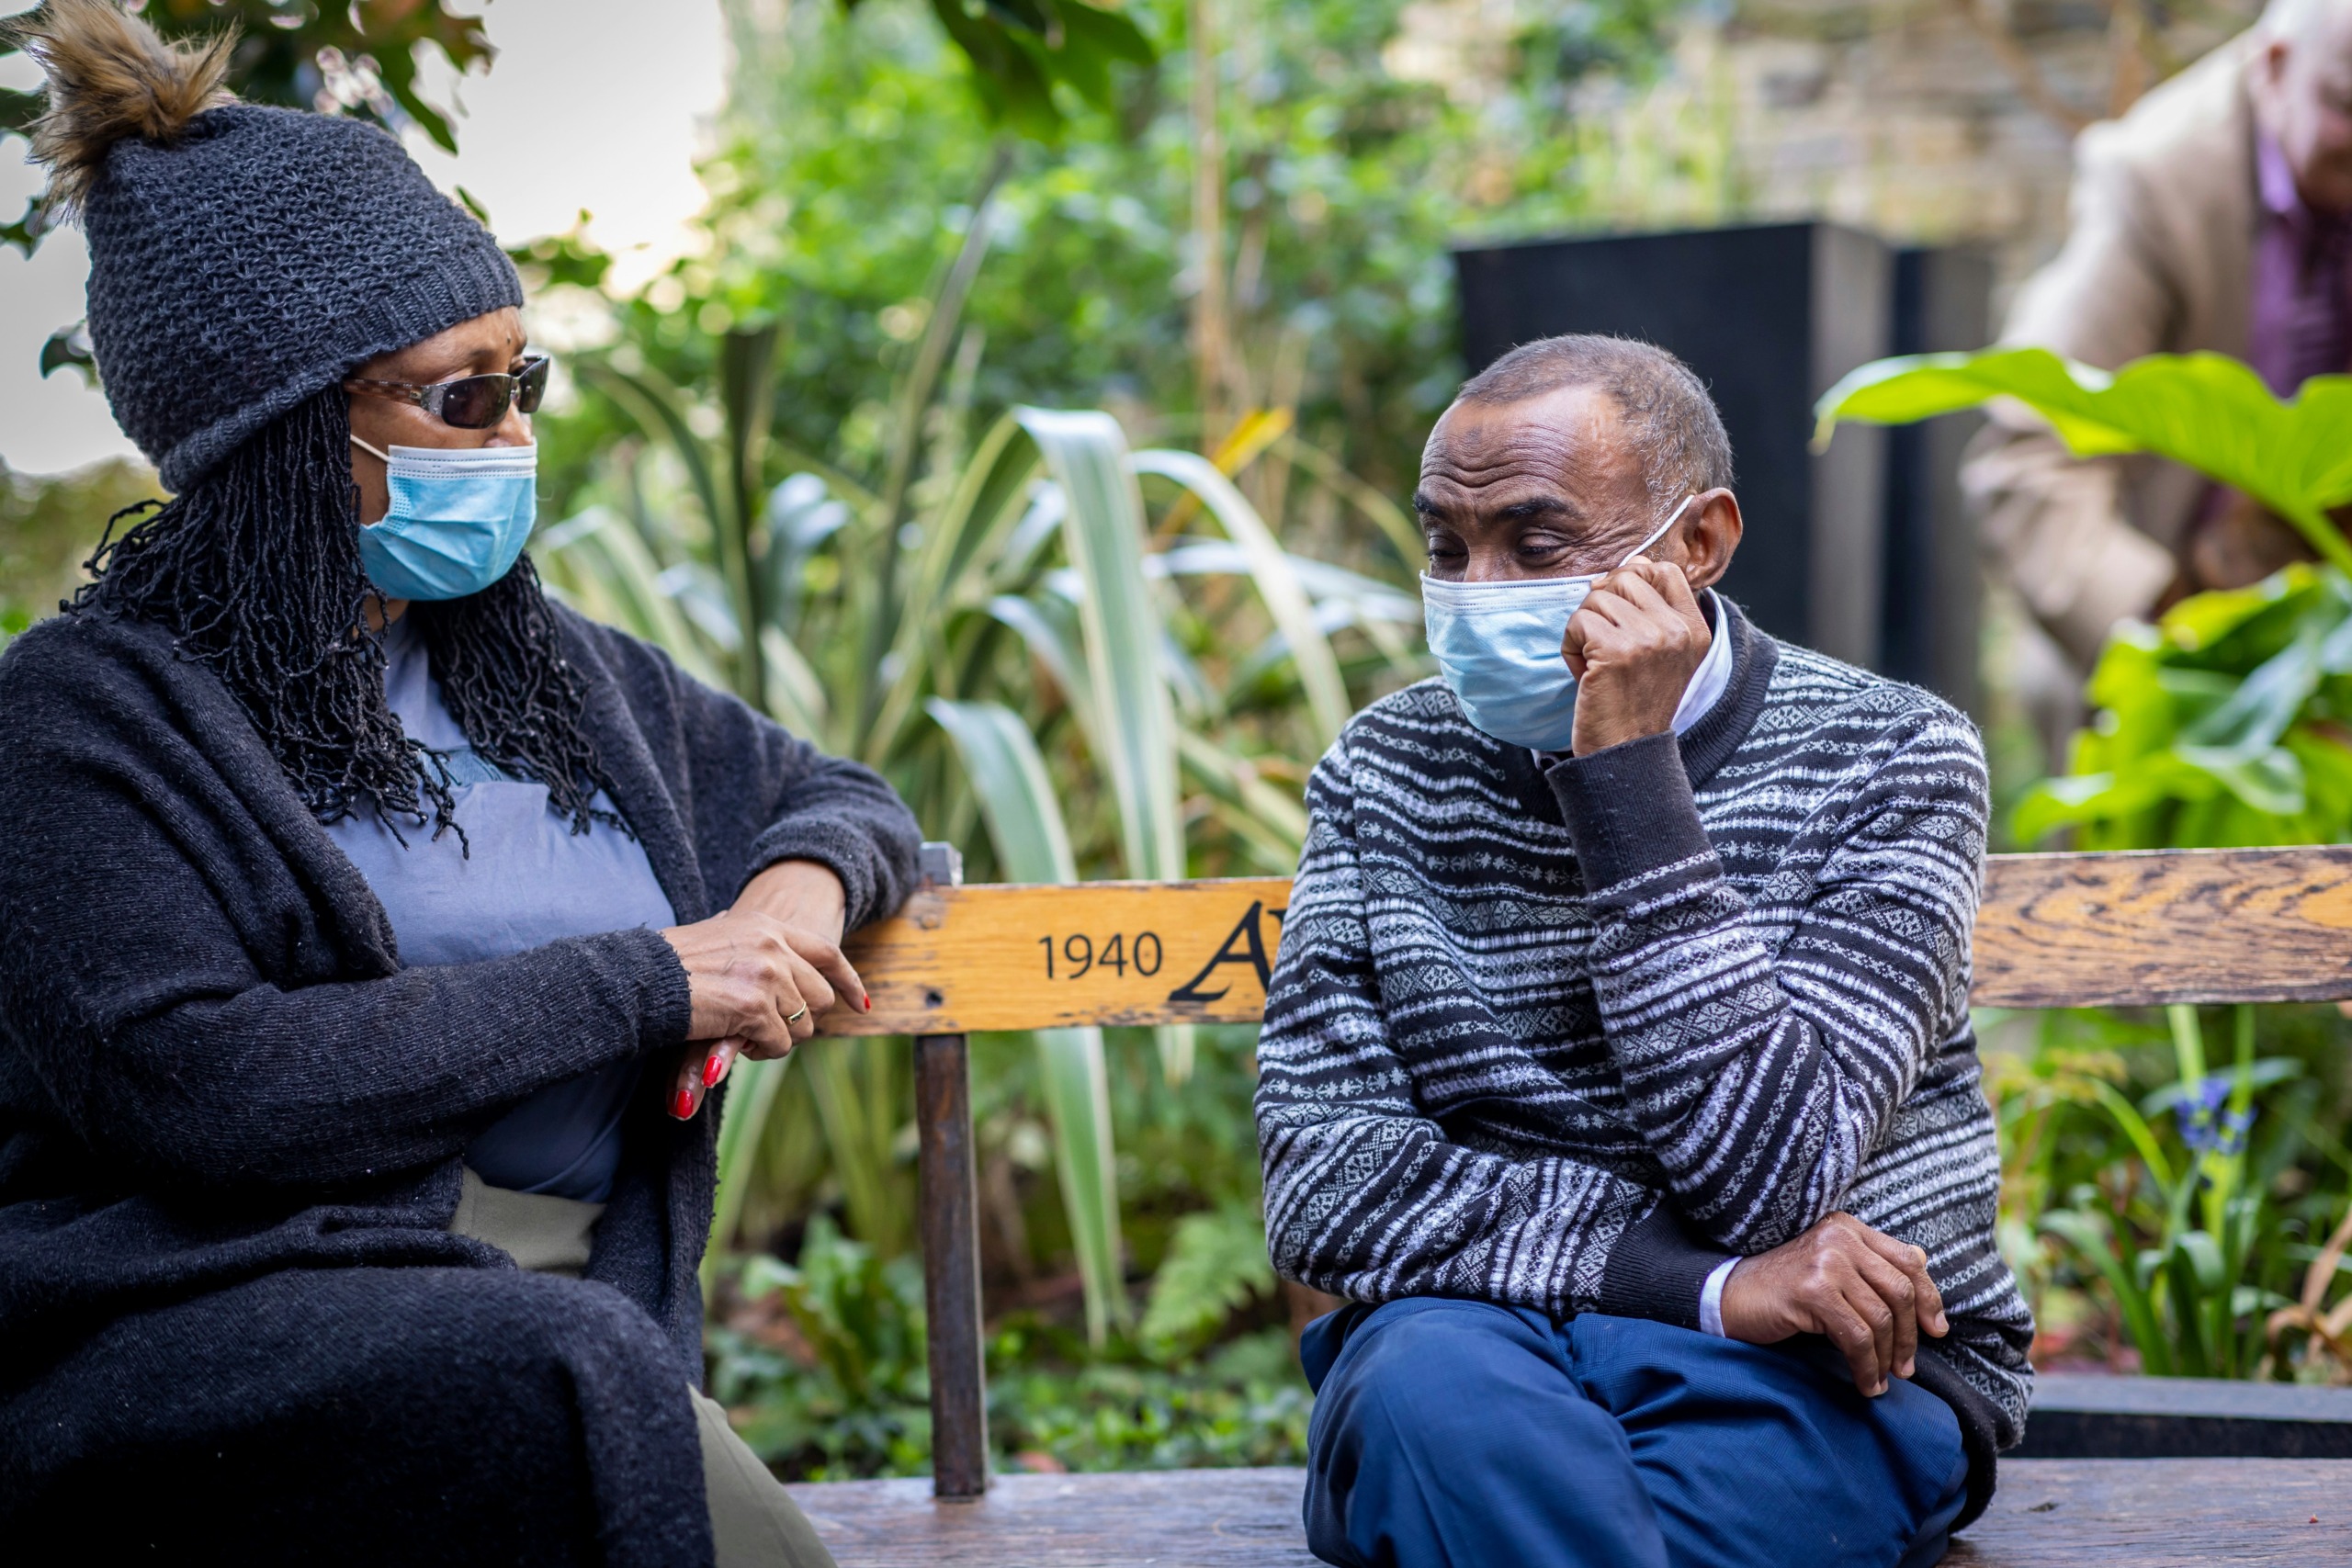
(2142, 930)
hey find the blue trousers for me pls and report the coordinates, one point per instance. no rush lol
(1461, 1433)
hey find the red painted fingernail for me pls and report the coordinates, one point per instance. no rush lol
(684, 1107)
(869, 1004)
(712, 1066)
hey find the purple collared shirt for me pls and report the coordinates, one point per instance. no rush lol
(2300, 323)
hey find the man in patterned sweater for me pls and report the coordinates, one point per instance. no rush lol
(1617, 1062)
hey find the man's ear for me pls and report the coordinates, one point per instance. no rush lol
(1710, 538)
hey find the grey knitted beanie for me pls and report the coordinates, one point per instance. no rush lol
(242, 258)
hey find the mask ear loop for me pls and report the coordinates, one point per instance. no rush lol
(386, 458)
(1644, 544)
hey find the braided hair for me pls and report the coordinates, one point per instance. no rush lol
(255, 569)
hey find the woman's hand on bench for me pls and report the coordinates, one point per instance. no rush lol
(762, 973)
(1867, 1292)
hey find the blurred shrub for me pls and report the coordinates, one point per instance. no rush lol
(48, 528)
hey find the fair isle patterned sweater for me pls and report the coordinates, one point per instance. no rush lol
(1565, 1037)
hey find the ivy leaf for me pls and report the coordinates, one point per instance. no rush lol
(18, 109)
(25, 233)
(70, 346)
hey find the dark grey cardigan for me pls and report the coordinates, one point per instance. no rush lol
(231, 1310)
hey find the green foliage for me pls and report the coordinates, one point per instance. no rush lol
(2224, 724)
(810, 461)
(2207, 410)
(1215, 1266)
(1032, 844)
(1020, 49)
(2187, 1299)
(2181, 1200)
(1242, 1405)
(70, 348)
(827, 1357)
(822, 1364)
(1021, 607)
(48, 528)
(848, 175)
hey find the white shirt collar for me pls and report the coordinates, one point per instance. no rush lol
(1714, 675)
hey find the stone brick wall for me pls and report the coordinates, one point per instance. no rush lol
(1938, 120)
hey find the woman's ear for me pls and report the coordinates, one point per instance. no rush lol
(1709, 539)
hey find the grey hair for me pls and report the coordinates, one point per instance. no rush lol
(1663, 408)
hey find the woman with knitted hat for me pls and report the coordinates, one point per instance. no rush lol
(371, 927)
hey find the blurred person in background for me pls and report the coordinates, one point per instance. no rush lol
(2216, 215)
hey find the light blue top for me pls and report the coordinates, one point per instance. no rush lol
(528, 880)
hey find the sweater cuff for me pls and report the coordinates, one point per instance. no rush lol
(669, 1009)
(1629, 810)
(1983, 1430)
(845, 851)
(1658, 1269)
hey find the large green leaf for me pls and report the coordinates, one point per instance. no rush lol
(1271, 822)
(959, 540)
(1276, 578)
(857, 1086)
(659, 409)
(1134, 717)
(2224, 724)
(2207, 410)
(598, 561)
(796, 693)
(1025, 821)
(1040, 621)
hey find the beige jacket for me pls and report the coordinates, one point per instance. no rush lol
(2159, 258)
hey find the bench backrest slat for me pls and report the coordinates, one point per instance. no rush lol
(961, 960)
(2160, 926)
(2054, 930)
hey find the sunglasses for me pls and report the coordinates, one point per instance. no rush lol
(469, 402)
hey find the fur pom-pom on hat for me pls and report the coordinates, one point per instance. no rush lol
(111, 76)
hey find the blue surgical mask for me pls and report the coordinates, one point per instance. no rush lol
(458, 518)
(1498, 646)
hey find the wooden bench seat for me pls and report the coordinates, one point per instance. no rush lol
(2051, 1513)
(2142, 929)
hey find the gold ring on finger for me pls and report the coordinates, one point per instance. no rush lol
(796, 1017)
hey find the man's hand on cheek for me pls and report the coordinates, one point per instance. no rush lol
(1869, 1294)
(1633, 647)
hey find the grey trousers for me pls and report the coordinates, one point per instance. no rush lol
(753, 1518)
